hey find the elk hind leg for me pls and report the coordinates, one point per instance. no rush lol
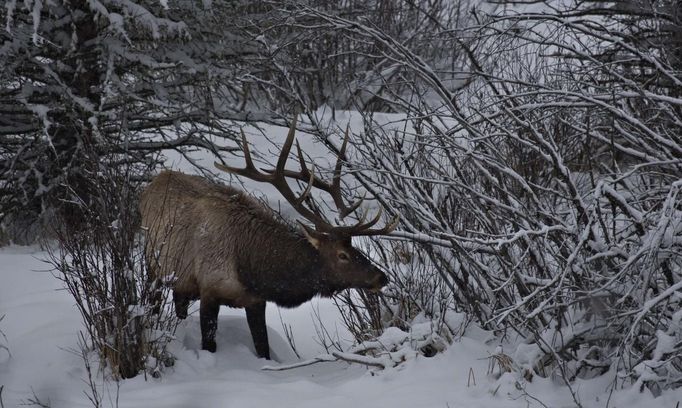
(255, 316)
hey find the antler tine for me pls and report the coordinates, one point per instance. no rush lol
(335, 188)
(250, 170)
(247, 152)
(309, 187)
(286, 148)
(349, 210)
(301, 161)
(365, 230)
(387, 229)
(362, 225)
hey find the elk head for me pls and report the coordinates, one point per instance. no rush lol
(343, 265)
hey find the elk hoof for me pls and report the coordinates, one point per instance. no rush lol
(209, 345)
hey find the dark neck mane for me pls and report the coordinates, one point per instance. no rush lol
(285, 268)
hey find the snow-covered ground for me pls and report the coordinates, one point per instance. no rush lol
(41, 325)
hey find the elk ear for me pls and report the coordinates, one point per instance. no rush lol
(312, 235)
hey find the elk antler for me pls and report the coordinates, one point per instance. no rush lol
(277, 177)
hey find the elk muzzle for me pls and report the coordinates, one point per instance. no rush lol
(378, 282)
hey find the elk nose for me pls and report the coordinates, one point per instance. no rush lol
(383, 279)
(379, 281)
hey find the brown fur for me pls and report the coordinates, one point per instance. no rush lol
(226, 248)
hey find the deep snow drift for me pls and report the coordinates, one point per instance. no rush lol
(41, 325)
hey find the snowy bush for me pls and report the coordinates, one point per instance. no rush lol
(544, 187)
(102, 264)
(416, 297)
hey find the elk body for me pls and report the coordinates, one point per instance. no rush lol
(226, 248)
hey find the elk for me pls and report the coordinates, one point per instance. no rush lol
(226, 248)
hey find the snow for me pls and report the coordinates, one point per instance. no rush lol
(41, 325)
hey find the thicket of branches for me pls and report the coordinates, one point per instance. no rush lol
(104, 77)
(544, 187)
(307, 64)
(102, 265)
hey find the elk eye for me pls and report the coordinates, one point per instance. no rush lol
(343, 256)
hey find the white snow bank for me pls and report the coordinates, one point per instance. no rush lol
(41, 326)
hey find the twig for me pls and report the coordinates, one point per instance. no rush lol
(323, 334)
(289, 334)
(94, 395)
(35, 401)
(526, 395)
(2, 346)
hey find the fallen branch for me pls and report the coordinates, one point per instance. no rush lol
(392, 348)
(330, 358)
(325, 358)
(365, 360)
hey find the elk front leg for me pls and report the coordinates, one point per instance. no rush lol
(154, 289)
(208, 317)
(181, 303)
(255, 315)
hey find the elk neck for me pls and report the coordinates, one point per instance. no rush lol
(287, 270)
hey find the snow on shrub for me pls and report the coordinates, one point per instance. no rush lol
(102, 264)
